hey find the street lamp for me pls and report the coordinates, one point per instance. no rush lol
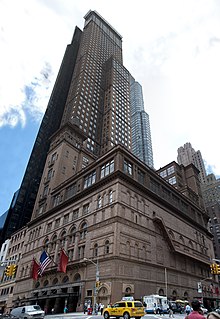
(96, 282)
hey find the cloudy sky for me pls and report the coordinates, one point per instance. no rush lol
(171, 47)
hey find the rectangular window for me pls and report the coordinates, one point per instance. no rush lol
(140, 176)
(57, 223)
(70, 191)
(49, 227)
(172, 180)
(75, 213)
(163, 173)
(90, 179)
(66, 219)
(57, 200)
(107, 169)
(49, 174)
(127, 167)
(85, 209)
(53, 158)
(45, 190)
(170, 170)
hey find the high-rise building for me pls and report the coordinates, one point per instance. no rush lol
(98, 100)
(121, 224)
(187, 155)
(140, 125)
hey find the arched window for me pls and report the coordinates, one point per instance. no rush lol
(107, 247)
(46, 243)
(95, 253)
(72, 235)
(55, 281)
(83, 231)
(63, 238)
(77, 277)
(54, 241)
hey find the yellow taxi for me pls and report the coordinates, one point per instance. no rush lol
(125, 309)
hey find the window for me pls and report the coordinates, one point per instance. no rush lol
(57, 223)
(99, 201)
(49, 227)
(49, 174)
(95, 250)
(170, 170)
(110, 196)
(90, 179)
(66, 219)
(53, 158)
(85, 209)
(172, 180)
(163, 173)
(83, 231)
(107, 169)
(70, 191)
(45, 190)
(140, 176)
(75, 213)
(57, 200)
(127, 167)
(107, 247)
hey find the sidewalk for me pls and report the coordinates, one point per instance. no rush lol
(64, 315)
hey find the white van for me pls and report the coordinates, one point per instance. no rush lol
(28, 312)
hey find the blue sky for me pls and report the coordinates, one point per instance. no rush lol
(171, 47)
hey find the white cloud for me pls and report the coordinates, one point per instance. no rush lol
(171, 47)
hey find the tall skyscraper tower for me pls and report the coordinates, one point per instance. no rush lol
(98, 99)
(187, 155)
(140, 125)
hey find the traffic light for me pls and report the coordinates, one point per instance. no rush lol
(98, 284)
(212, 266)
(14, 270)
(215, 269)
(8, 270)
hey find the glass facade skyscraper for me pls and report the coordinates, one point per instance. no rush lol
(140, 125)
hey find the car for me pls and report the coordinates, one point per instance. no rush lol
(125, 309)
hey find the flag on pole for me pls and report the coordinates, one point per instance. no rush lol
(63, 261)
(35, 269)
(44, 262)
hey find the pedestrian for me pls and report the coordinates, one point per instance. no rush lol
(101, 308)
(85, 308)
(188, 309)
(196, 313)
(52, 311)
(65, 310)
(171, 311)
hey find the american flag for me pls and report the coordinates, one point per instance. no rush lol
(44, 262)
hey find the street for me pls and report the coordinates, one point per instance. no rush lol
(81, 315)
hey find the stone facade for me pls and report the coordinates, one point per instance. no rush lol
(135, 224)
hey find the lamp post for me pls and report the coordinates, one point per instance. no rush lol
(96, 283)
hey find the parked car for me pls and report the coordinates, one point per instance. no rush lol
(125, 309)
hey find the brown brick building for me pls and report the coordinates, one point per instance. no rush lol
(123, 215)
